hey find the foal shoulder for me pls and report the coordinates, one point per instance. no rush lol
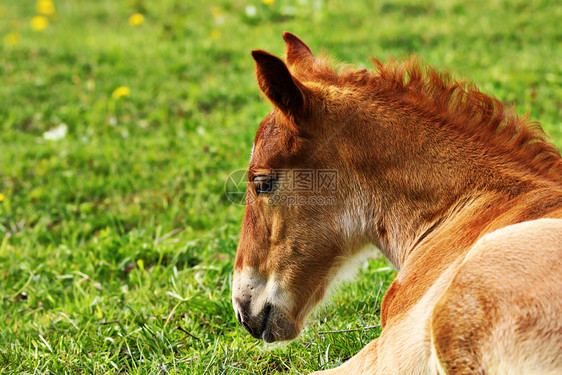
(502, 308)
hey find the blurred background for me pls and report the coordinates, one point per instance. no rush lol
(120, 122)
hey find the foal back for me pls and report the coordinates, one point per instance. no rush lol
(502, 312)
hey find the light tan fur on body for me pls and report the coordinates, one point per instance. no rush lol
(461, 195)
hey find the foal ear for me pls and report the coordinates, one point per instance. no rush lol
(278, 84)
(297, 50)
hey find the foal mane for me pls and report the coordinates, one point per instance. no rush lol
(454, 105)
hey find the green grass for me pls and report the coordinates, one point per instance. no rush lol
(117, 242)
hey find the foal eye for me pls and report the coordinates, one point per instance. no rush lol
(264, 184)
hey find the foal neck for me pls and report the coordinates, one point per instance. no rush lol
(421, 183)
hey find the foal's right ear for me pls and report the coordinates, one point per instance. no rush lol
(297, 50)
(277, 83)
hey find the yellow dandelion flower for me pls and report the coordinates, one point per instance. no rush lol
(45, 7)
(217, 12)
(39, 23)
(136, 19)
(121, 91)
(215, 34)
(12, 39)
(2, 197)
(268, 2)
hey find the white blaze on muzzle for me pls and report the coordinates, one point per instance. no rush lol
(260, 304)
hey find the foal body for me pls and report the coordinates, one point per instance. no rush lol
(463, 197)
(474, 310)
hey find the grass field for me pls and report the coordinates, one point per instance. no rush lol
(119, 124)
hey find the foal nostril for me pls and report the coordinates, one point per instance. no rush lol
(256, 325)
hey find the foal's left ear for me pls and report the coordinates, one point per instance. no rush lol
(277, 83)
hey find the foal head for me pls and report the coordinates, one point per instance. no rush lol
(297, 231)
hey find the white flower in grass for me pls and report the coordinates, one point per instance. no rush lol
(317, 4)
(289, 11)
(56, 133)
(251, 11)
